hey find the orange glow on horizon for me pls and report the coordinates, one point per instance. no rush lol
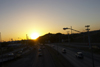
(34, 35)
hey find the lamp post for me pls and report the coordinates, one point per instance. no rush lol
(1, 51)
(88, 35)
(71, 29)
(26, 39)
(68, 33)
(68, 38)
(89, 43)
(68, 28)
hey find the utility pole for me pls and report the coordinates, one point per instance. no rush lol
(88, 35)
(71, 30)
(1, 50)
(26, 40)
(26, 37)
(89, 43)
(0, 37)
(68, 38)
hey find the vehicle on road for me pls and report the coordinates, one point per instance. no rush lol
(40, 54)
(43, 47)
(22, 49)
(34, 48)
(39, 50)
(79, 55)
(10, 55)
(53, 46)
(18, 54)
(63, 50)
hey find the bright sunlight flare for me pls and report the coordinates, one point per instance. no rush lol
(34, 36)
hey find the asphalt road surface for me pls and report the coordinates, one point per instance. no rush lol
(70, 55)
(31, 59)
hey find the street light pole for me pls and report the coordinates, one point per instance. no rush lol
(71, 30)
(26, 40)
(88, 35)
(68, 38)
(89, 43)
(0, 36)
(1, 50)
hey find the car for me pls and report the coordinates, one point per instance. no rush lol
(22, 49)
(40, 54)
(53, 46)
(17, 55)
(30, 48)
(20, 52)
(10, 55)
(79, 55)
(39, 50)
(63, 50)
(43, 47)
(34, 48)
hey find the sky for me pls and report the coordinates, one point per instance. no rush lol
(21, 17)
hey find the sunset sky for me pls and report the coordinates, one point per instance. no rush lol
(21, 17)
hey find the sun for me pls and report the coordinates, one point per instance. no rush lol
(34, 36)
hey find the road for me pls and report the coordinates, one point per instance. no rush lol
(70, 55)
(4, 57)
(12, 51)
(31, 59)
(86, 45)
(44, 61)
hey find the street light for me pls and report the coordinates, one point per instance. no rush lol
(65, 28)
(1, 50)
(71, 29)
(89, 43)
(68, 38)
(88, 34)
(87, 26)
(68, 33)
(68, 28)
